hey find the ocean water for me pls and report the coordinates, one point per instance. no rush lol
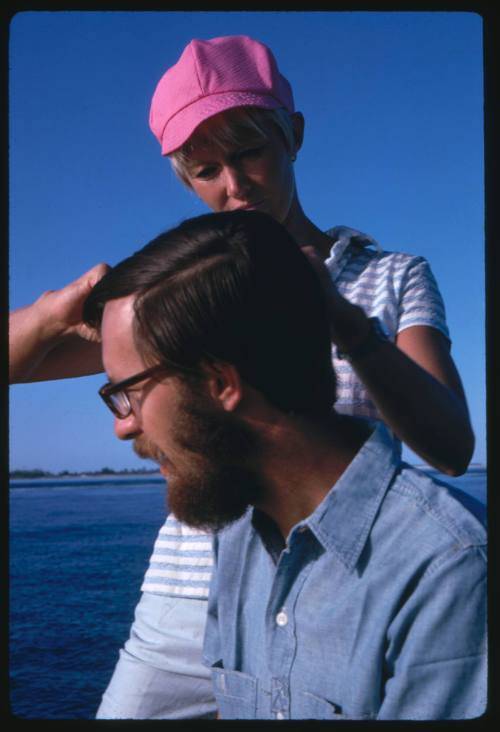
(78, 551)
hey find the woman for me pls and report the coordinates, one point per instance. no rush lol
(225, 117)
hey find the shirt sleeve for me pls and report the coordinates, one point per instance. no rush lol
(420, 301)
(436, 655)
(181, 563)
(159, 674)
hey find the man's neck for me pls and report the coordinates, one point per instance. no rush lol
(304, 463)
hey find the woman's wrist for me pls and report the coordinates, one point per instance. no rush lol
(44, 322)
(29, 341)
(351, 328)
(375, 336)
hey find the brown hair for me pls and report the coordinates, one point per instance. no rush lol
(231, 287)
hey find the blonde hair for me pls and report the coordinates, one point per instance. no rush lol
(238, 126)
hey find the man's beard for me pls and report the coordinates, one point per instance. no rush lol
(218, 476)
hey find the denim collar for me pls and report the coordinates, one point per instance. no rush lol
(342, 522)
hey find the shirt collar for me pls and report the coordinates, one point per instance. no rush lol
(342, 522)
(343, 237)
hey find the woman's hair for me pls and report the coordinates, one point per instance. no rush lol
(236, 127)
(235, 288)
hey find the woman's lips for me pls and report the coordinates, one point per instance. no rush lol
(254, 206)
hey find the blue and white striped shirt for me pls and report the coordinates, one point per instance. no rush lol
(181, 563)
(401, 291)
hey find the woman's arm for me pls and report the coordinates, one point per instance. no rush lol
(47, 339)
(417, 390)
(414, 383)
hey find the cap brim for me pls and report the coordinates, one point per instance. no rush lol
(180, 128)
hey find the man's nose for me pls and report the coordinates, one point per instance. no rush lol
(128, 428)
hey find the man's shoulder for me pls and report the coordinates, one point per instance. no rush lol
(447, 512)
(236, 531)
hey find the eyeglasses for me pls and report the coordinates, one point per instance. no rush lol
(115, 395)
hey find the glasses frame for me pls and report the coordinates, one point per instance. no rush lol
(109, 389)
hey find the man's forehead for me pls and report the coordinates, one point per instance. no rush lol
(117, 335)
(119, 312)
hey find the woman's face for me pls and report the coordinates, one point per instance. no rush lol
(254, 176)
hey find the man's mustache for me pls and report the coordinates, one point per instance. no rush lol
(144, 448)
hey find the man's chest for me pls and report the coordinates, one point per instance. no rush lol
(295, 634)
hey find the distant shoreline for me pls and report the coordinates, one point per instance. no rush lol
(65, 474)
(108, 472)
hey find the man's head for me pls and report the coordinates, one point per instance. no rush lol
(232, 311)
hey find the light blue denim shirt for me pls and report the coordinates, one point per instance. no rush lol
(375, 608)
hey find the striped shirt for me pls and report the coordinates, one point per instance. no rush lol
(401, 291)
(181, 563)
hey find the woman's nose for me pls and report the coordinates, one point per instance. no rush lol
(237, 183)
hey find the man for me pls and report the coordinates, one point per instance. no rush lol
(347, 585)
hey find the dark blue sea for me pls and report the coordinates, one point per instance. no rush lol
(78, 551)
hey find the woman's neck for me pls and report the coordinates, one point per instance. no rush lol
(304, 231)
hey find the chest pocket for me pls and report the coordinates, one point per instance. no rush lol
(235, 693)
(316, 707)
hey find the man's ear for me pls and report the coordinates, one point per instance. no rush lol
(224, 385)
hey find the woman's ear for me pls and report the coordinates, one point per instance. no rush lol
(298, 123)
(224, 384)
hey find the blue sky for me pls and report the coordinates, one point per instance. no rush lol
(393, 146)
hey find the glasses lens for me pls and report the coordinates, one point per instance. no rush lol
(120, 403)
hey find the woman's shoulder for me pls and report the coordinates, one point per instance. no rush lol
(358, 245)
(380, 264)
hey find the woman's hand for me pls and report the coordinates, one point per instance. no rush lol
(348, 323)
(413, 383)
(59, 312)
(48, 340)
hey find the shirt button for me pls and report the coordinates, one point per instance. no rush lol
(280, 715)
(282, 618)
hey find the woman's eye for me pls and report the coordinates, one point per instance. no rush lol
(205, 173)
(252, 152)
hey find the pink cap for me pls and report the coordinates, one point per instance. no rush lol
(209, 77)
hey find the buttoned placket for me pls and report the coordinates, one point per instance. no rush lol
(281, 635)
